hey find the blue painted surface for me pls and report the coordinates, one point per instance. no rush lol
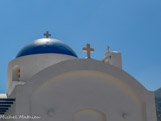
(5, 104)
(6, 99)
(46, 45)
(3, 108)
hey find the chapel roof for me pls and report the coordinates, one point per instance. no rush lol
(46, 45)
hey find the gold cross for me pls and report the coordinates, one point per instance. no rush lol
(88, 50)
(108, 48)
(47, 34)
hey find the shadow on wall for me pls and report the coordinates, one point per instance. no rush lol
(158, 103)
(158, 107)
(16, 73)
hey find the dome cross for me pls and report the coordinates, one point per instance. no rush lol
(47, 34)
(108, 48)
(88, 50)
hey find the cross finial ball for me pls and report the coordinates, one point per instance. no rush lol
(47, 34)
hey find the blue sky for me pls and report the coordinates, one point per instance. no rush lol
(132, 27)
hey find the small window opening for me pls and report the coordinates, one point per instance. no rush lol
(16, 73)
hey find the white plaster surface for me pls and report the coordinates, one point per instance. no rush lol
(3, 96)
(113, 58)
(30, 65)
(61, 91)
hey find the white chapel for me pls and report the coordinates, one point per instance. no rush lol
(48, 82)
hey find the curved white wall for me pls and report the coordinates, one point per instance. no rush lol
(32, 64)
(60, 91)
(72, 92)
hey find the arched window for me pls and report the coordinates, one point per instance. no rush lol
(89, 115)
(16, 73)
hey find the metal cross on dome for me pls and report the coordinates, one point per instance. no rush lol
(108, 48)
(47, 34)
(88, 50)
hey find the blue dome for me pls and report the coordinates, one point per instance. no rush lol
(46, 45)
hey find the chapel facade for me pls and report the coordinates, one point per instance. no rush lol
(48, 81)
